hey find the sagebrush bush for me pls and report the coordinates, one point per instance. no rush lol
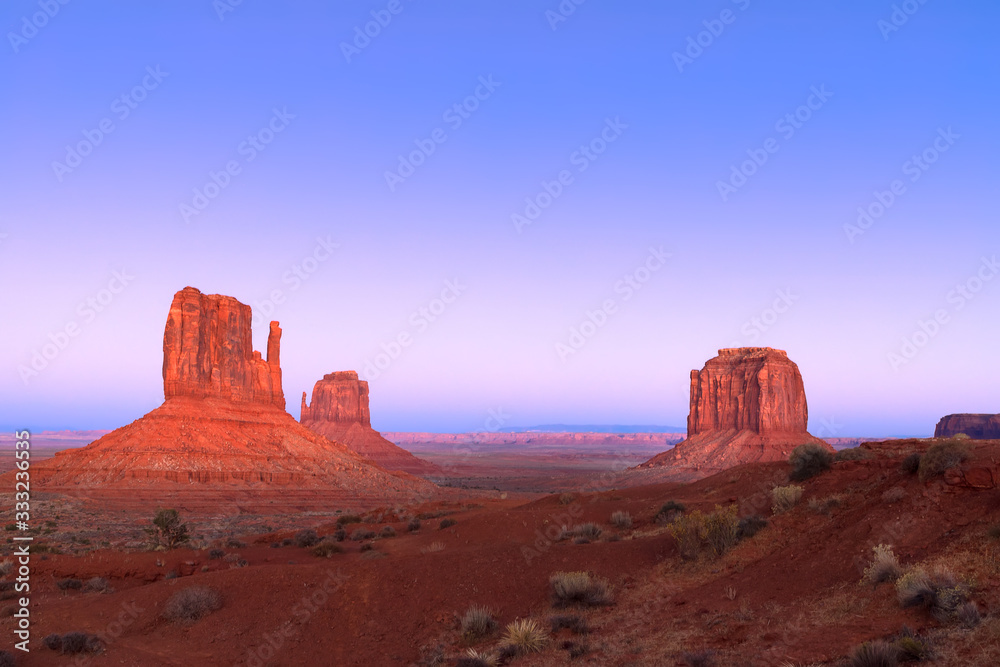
(575, 624)
(941, 594)
(942, 456)
(808, 461)
(166, 530)
(579, 589)
(478, 622)
(669, 510)
(447, 523)
(785, 498)
(191, 604)
(413, 526)
(875, 654)
(915, 589)
(911, 464)
(306, 538)
(825, 505)
(884, 566)
(722, 529)
(525, 636)
(699, 659)
(687, 529)
(750, 526)
(621, 519)
(360, 534)
(853, 454)
(72, 643)
(387, 531)
(216, 554)
(326, 549)
(69, 584)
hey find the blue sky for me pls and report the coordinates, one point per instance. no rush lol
(641, 122)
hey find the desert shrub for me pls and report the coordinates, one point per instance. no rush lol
(348, 518)
(447, 523)
(69, 584)
(961, 436)
(433, 547)
(478, 622)
(326, 548)
(167, 530)
(968, 615)
(722, 529)
(587, 531)
(699, 659)
(875, 654)
(72, 643)
(884, 566)
(216, 554)
(387, 531)
(340, 535)
(808, 461)
(893, 495)
(993, 532)
(912, 647)
(413, 526)
(579, 589)
(367, 546)
(566, 499)
(360, 534)
(853, 454)
(7, 659)
(915, 589)
(825, 505)
(750, 526)
(621, 519)
(942, 456)
(785, 498)
(687, 529)
(53, 642)
(231, 558)
(306, 538)
(911, 464)
(575, 624)
(235, 543)
(5, 567)
(669, 510)
(525, 636)
(192, 603)
(940, 593)
(474, 658)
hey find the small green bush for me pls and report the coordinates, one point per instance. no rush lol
(166, 530)
(785, 498)
(808, 461)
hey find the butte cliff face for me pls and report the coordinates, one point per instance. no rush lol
(747, 405)
(222, 422)
(339, 411)
(977, 427)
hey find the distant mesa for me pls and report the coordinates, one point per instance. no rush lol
(747, 405)
(340, 412)
(222, 421)
(977, 427)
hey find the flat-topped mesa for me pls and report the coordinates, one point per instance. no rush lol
(747, 405)
(340, 398)
(208, 352)
(977, 427)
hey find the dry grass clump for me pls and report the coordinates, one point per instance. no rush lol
(875, 654)
(853, 454)
(192, 603)
(941, 594)
(784, 498)
(621, 519)
(884, 566)
(97, 585)
(942, 456)
(579, 589)
(585, 531)
(478, 622)
(360, 534)
(432, 548)
(825, 505)
(525, 636)
(474, 658)
(808, 461)
(721, 530)
(327, 548)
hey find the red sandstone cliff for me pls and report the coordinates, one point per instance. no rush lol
(340, 411)
(222, 421)
(977, 427)
(747, 405)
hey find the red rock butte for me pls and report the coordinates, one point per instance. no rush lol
(747, 405)
(977, 427)
(222, 422)
(340, 412)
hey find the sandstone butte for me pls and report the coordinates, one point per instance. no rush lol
(340, 412)
(222, 422)
(977, 427)
(748, 405)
